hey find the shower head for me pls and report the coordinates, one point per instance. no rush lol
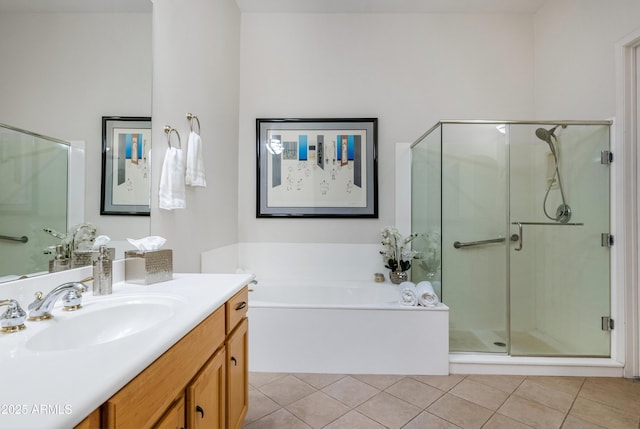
(545, 136)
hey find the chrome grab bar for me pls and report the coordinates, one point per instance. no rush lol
(459, 245)
(548, 223)
(520, 224)
(22, 239)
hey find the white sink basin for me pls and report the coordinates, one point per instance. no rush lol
(103, 320)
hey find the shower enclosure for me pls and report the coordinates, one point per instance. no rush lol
(513, 228)
(33, 195)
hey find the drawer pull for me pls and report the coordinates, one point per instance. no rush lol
(200, 410)
(242, 305)
(234, 360)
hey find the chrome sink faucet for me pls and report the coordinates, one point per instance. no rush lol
(13, 319)
(71, 294)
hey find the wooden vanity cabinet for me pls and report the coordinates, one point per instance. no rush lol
(200, 382)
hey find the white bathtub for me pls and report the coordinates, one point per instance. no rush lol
(344, 328)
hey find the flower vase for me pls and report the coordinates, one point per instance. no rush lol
(398, 277)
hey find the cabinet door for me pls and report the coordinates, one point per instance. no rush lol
(237, 375)
(92, 421)
(206, 395)
(174, 417)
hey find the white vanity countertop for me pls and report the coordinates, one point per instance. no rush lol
(58, 389)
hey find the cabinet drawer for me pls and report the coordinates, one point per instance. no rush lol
(237, 307)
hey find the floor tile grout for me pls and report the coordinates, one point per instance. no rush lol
(433, 393)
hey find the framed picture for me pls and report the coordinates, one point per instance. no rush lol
(317, 167)
(126, 145)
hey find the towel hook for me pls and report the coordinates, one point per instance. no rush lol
(191, 117)
(168, 129)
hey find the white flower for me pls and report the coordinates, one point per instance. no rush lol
(396, 251)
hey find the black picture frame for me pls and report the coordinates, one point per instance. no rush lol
(126, 174)
(317, 168)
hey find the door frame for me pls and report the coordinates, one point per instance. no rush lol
(625, 295)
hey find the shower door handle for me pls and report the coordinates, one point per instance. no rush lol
(519, 246)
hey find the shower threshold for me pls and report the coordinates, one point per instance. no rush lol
(502, 364)
(489, 356)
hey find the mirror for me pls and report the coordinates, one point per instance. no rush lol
(33, 173)
(66, 64)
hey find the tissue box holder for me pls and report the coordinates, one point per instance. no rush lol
(148, 267)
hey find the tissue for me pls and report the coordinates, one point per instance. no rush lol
(153, 242)
(100, 240)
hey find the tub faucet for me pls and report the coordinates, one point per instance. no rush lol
(13, 319)
(71, 292)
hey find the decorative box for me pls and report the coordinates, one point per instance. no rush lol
(148, 267)
(82, 258)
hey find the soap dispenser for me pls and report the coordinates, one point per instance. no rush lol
(59, 261)
(102, 269)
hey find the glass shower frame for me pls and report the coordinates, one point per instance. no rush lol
(35, 172)
(491, 174)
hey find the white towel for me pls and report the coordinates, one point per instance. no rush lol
(172, 191)
(195, 162)
(426, 295)
(408, 293)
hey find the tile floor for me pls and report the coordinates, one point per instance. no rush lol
(301, 401)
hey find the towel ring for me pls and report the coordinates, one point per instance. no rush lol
(168, 130)
(191, 117)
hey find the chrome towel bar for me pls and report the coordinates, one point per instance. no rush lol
(520, 234)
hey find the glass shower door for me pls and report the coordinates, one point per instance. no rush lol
(474, 236)
(559, 287)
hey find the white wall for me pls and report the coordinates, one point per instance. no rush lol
(196, 49)
(575, 56)
(62, 72)
(408, 70)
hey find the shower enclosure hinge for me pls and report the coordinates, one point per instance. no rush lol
(607, 323)
(606, 239)
(606, 157)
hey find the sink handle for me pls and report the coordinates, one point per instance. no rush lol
(85, 280)
(12, 319)
(72, 300)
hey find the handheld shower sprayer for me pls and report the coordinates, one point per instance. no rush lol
(545, 135)
(563, 212)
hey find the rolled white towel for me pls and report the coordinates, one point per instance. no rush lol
(426, 295)
(408, 293)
